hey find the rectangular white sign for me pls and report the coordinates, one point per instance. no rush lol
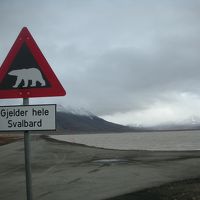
(30, 117)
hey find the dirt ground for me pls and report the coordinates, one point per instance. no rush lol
(6, 138)
(66, 171)
(182, 190)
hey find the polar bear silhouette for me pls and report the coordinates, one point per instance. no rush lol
(26, 75)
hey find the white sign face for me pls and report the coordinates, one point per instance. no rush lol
(30, 117)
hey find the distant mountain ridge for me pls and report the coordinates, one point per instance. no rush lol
(80, 120)
(192, 123)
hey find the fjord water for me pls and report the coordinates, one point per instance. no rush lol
(163, 140)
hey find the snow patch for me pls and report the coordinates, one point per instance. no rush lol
(75, 111)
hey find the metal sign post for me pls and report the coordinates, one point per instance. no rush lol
(25, 73)
(27, 152)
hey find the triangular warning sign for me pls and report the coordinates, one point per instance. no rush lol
(26, 73)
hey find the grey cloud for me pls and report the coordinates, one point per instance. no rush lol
(113, 56)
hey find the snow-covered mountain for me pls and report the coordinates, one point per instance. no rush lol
(75, 111)
(191, 123)
(81, 120)
(193, 120)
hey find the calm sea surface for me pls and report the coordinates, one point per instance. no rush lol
(172, 140)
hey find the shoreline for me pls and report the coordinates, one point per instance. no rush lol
(171, 141)
(52, 139)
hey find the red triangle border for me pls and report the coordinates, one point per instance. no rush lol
(56, 88)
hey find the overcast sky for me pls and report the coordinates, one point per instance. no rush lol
(129, 61)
